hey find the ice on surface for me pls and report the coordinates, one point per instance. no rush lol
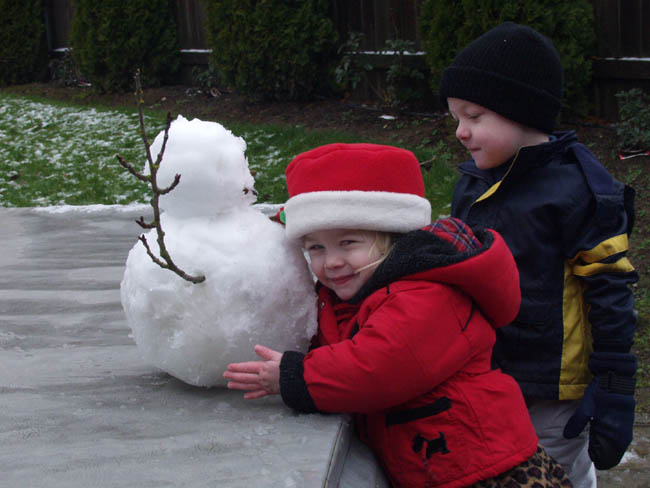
(258, 289)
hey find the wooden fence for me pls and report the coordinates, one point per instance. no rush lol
(623, 54)
(378, 20)
(622, 28)
(58, 14)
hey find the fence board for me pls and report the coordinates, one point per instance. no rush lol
(622, 28)
(191, 30)
(630, 28)
(368, 24)
(607, 28)
(58, 14)
(645, 28)
(382, 22)
(378, 21)
(404, 15)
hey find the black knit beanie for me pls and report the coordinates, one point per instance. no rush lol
(512, 70)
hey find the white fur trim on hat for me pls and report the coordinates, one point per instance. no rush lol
(367, 210)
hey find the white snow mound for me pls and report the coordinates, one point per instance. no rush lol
(258, 289)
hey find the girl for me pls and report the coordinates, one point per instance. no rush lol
(407, 313)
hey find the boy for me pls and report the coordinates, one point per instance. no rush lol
(566, 221)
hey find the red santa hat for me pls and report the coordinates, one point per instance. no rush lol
(355, 186)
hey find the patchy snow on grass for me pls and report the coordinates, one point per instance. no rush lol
(56, 155)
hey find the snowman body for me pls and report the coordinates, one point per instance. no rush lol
(258, 289)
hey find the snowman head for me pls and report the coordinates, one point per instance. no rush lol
(212, 163)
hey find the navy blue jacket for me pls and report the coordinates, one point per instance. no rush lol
(566, 221)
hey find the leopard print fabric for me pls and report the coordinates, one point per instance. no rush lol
(538, 471)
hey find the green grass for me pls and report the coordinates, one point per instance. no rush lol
(51, 153)
(54, 153)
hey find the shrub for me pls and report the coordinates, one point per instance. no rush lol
(399, 83)
(23, 48)
(633, 128)
(351, 69)
(274, 49)
(64, 71)
(112, 39)
(206, 80)
(402, 80)
(447, 27)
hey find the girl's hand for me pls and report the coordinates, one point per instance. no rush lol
(258, 378)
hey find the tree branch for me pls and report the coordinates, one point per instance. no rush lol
(144, 225)
(132, 170)
(153, 257)
(165, 261)
(176, 181)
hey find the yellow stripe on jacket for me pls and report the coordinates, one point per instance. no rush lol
(578, 342)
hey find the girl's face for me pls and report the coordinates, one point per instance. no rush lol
(489, 137)
(337, 255)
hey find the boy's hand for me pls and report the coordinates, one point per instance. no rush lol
(608, 406)
(258, 378)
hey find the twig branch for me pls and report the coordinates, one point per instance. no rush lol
(132, 170)
(165, 261)
(145, 225)
(153, 257)
(164, 191)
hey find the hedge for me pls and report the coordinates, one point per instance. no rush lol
(272, 49)
(447, 27)
(112, 39)
(23, 45)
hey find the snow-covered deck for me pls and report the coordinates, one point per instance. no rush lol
(78, 407)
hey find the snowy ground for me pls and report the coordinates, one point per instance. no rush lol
(53, 154)
(65, 146)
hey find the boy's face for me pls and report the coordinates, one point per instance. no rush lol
(336, 255)
(490, 138)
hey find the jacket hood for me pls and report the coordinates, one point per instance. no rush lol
(449, 252)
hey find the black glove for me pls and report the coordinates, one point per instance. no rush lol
(608, 403)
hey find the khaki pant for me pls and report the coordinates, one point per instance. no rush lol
(549, 418)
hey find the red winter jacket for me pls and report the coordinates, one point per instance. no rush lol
(412, 359)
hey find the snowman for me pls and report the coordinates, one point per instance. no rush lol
(257, 287)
